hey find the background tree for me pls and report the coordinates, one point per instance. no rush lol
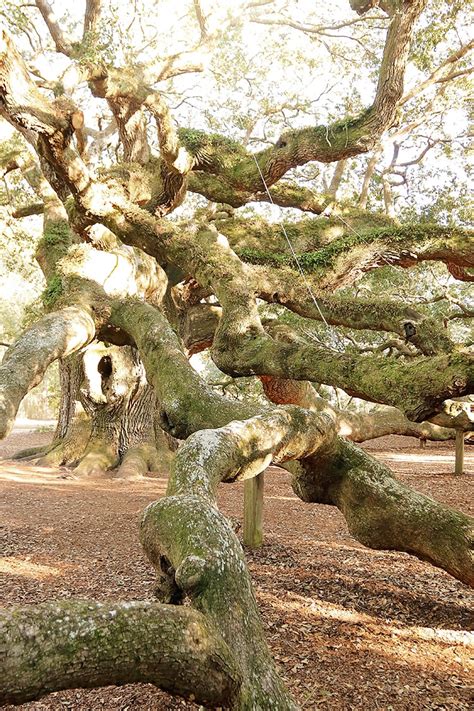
(152, 246)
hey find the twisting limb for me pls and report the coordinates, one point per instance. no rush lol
(70, 644)
(242, 347)
(186, 531)
(355, 426)
(189, 401)
(384, 513)
(188, 538)
(54, 336)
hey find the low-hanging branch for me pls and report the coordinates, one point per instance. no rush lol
(54, 336)
(355, 426)
(69, 644)
(158, 344)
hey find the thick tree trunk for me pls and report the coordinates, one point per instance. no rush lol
(106, 417)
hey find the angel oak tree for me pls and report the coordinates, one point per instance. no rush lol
(133, 291)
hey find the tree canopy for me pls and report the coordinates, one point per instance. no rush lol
(284, 185)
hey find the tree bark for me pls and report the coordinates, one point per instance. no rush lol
(70, 644)
(24, 364)
(383, 513)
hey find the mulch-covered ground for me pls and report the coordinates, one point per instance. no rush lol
(350, 628)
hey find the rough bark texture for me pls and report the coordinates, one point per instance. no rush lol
(383, 513)
(68, 644)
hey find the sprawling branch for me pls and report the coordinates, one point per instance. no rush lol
(355, 252)
(355, 426)
(54, 336)
(326, 144)
(70, 644)
(384, 513)
(426, 335)
(285, 194)
(242, 346)
(207, 458)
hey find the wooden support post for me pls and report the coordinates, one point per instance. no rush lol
(253, 511)
(459, 461)
(422, 443)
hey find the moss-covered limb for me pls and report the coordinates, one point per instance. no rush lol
(383, 513)
(200, 321)
(68, 644)
(359, 427)
(429, 335)
(242, 449)
(241, 347)
(189, 534)
(345, 138)
(345, 258)
(187, 403)
(355, 426)
(185, 531)
(54, 336)
(342, 139)
(217, 189)
(306, 234)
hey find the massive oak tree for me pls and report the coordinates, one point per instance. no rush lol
(152, 254)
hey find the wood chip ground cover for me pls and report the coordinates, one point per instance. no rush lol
(350, 628)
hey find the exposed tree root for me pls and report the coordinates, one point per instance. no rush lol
(137, 461)
(31, 452)
(69, 449)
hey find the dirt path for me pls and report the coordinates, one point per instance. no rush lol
(350, 628)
